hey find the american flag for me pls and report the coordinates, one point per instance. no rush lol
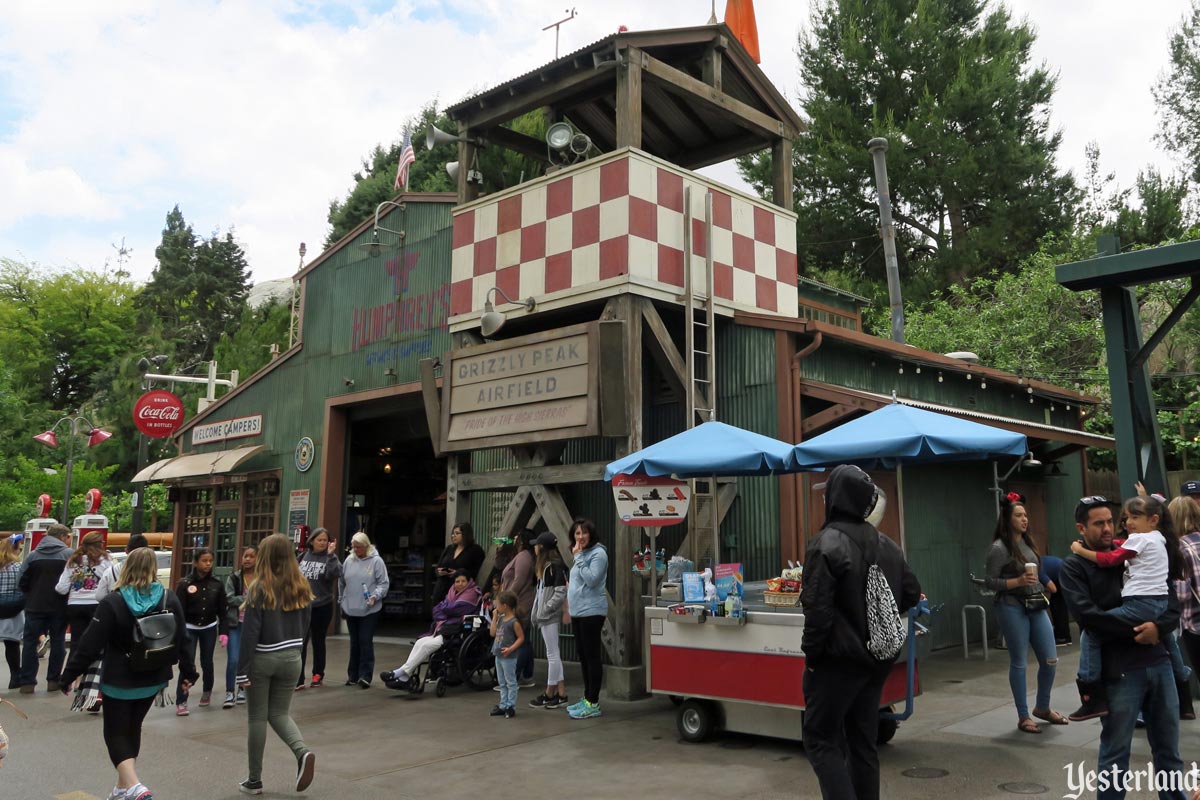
(407, 156)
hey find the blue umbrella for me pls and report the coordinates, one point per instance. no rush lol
(712, 448)
(900, 434)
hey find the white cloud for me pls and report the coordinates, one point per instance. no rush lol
(245, 119)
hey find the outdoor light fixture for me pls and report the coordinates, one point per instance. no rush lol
(565, 144)
(76, 425)
(375, 245)
(492, 320)
(1055, 471)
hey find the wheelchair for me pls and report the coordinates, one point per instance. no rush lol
(465, 657)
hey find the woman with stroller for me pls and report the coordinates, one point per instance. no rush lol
(549, 603)
(129, 688)
(462, 599)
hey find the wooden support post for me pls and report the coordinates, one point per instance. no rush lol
(781, 173)
(467, 191)
(629, 99)
(458, 502)
(628, 585)
(711, 66)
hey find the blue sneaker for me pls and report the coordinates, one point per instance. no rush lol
(586, 712)
(576, 705)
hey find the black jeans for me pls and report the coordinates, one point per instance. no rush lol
(525, 652)
(362, 646)
(1060, 618)
(78, 619)
(841, 729)
(205, 641)
(12, 654)
(591, 654)
(318, 629)
(123, 727)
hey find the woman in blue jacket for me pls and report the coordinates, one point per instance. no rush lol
(587, 602)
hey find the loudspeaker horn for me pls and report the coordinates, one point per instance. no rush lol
(434, 136)
(452, 169)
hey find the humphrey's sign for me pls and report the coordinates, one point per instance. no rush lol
(542, 387)
(237, 428)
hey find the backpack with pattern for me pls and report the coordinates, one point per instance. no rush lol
(886, 631)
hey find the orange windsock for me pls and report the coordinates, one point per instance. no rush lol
(739, 16)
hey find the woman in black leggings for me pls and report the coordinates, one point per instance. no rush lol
(587, 603)
(129, 693)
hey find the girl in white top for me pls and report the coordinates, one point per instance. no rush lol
(81, 581)
(1150, 555)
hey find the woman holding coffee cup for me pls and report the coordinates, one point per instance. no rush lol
(1021, 608)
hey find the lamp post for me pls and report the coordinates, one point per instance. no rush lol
(50, 439)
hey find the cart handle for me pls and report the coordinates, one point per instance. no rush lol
(914, 629)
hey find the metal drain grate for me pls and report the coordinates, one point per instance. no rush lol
(925, 772)
(1023, 788)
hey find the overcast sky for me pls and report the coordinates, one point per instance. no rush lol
(254, 114)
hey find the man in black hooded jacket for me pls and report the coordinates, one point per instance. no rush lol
(843, 682)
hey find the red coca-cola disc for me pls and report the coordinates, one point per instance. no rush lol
(158, 414)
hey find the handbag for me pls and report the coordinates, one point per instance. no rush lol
(11, 604)
(1036, 602)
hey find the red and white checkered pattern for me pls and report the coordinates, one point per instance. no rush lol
(622, 216)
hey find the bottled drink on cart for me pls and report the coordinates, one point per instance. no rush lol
(730, 604)
(739, 610)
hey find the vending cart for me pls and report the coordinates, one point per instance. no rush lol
(746, 674)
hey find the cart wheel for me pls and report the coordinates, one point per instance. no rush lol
(695, 720)
(675, 699)
(887, 728)
(439, 688)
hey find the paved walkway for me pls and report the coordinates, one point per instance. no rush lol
(380, 744)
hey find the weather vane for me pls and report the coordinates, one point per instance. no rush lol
(557, 25)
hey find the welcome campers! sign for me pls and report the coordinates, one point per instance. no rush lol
(538, 388)
(237, 428)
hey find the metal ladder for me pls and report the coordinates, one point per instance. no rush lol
(700, 362)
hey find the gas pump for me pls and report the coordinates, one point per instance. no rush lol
(91, 520)
(36, 528)
(300, 536)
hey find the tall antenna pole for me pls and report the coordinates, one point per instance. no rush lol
(556, 25)
(712, 20)
(878, 148)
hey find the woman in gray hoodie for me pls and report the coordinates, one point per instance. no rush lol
(321, 566)
(363, 585)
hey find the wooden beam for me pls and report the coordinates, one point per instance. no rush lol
(524, 476)
(717, 152)
(433, 407)
(781, 172)
(662, 348)
(627, 585)
(837, 395)
(712, 63)
(679, 82)
(821, 419)
(552, 93)
(517, 142)
(467, 191)
(458, 503)
(629, 99)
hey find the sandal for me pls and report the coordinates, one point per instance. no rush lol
(1027, 725)
(1053, 717)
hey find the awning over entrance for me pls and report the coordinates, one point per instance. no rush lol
(190, 466)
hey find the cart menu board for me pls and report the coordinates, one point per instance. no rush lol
(648, 501)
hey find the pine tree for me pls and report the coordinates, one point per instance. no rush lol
(1177, 93)
(971, 156)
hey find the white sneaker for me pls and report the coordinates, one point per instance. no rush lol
(229, 700)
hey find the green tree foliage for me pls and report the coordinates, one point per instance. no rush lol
(26, 478)
(248, 349)
(61, 331)
(374, 181)
(197, 291)
(971, 158)
(1177, 93)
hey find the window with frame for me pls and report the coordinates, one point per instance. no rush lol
(197, 526)
(259, 512)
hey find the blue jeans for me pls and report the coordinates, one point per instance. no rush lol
(362, 646)
(53, 625)
(506, 672)
(1023, 630)
(231, 653)
(1136, 610)
(1151, 691)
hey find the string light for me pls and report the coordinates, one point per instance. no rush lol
(940, 379)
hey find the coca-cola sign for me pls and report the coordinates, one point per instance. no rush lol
(158, 414)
